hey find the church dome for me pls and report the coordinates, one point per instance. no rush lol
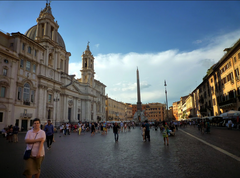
(31, 33)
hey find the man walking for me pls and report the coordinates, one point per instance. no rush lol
(49, 134)
(15, 133)
(121, 124)
(147, 131)
(115, 131)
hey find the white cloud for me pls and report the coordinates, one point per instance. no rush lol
(183, 71)
(97, 45)
(197, 41)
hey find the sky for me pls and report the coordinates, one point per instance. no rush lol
(176, 41)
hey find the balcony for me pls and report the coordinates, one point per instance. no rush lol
(26, 103)
(26, 115)
(230, 102)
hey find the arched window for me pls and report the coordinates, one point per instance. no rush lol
(26, 94)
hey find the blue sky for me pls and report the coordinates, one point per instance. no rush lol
(176, 40)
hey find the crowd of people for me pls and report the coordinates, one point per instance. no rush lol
(11, 133)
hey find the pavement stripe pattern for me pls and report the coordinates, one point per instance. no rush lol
(213, 146)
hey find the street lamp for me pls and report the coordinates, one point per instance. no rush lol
(165, 84)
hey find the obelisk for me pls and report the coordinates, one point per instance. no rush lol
(139, 103)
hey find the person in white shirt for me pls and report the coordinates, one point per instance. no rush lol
(35, 140)
(229, 124)
(67, 125)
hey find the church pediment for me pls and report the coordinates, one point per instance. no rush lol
(74, 88)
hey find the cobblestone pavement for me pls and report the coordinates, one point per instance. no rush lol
(100, 156)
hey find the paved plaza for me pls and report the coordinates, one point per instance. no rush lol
(100, 156)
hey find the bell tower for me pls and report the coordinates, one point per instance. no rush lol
(47, 28)
(87, 67)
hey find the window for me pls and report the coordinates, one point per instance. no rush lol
(28, 66)
(211, 80)
(34, 68)
(214, 102)
(26, 94)
(19, 95)
(23, 46)
(3, 92)
(21, 63)
(35, 54)
(61, 64)
(237, 73)
(229, 64)
(235, 60)
(29, 50)
(49, 98)
(1, 116)
(4, 72)
(231, 76)
(6, 61)
(238, 56)
(32, 96)
(42, 30)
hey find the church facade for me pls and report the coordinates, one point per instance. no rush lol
(35, 80)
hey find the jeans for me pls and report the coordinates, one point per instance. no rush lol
(147, 135)
(49, 140)
(116, 136)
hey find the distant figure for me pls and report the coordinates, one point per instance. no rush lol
(147, 131)
(165, 133)
(49, 134)
(115, 131)
(93, 129)
(229, 124)
(15, 133)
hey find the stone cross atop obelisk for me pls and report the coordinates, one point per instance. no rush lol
(139, 103)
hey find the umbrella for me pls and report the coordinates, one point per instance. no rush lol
(230, 113)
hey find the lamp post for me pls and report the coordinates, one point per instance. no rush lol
(165, 84)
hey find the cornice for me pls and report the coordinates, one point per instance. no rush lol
(20, 35)
(7, 53)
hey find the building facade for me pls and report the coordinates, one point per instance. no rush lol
(155, 111)
(134, 109)
(128, 111)
(115, 110)
(219, 91)
(175, 110)
(35, 80)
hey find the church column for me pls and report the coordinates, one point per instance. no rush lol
(75, 109)
(65, 108)
(67, 63)
(49, 30)
(94, 111)
(45, 104)
(55, 60)
(47, 55)
(37, 32)
(45, 28)
(83, 110)
(58, 60)
(53, 35)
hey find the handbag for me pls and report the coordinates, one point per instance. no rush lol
(27, 153)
